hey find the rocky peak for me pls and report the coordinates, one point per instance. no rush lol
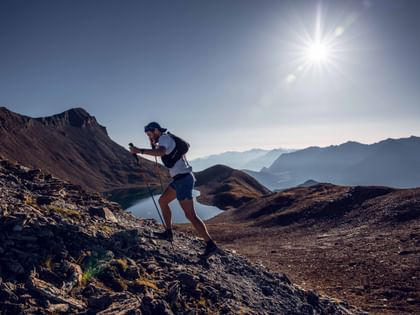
(78, 117)
(74, 117)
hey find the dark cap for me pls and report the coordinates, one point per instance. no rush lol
(152, 126)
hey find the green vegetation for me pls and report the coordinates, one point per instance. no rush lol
(92, 268)
(66, 212)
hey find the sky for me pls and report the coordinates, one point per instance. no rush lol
(224, 75)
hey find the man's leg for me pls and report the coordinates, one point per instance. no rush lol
(164, 200)
(188, 207)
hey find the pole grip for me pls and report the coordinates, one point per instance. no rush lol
(135, 155)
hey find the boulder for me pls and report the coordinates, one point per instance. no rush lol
(187, 279)
(103, 212)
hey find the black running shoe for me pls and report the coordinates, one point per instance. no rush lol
(211, 249)
(166, 235)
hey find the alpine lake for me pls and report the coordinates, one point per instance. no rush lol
(140, 203)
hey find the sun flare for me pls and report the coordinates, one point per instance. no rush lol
(320, 48)
(317, 52)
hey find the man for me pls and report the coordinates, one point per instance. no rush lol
(181, 186)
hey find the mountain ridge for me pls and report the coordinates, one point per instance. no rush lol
(72, 145)
(76, 117)
(389, 162)
(253, 159)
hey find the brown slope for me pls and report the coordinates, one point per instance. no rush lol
(65, 251)
(227, 188)
(72, 146)
(360, 243)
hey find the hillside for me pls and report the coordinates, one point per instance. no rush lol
(391, 162)
(357, 242)
(66, 251)
(226, 188)
(72, 146)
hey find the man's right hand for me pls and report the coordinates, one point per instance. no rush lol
(152, 143)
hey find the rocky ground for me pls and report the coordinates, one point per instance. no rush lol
(67, 251)
(359, 243)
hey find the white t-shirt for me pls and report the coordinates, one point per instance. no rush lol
(181, 166)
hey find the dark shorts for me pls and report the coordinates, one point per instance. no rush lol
(184, 186)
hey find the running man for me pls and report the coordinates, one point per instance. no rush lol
(172, 151)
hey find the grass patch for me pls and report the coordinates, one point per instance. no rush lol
(48, 263)
(106, 229)
(147, 283)
(122, 264)
(66, 212)
(30, 201)
(92, 269)
(89, 274)
(202, 301)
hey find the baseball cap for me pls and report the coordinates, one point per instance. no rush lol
(153, 125)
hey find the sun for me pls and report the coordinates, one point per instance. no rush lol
(317, 53)
(320, 48)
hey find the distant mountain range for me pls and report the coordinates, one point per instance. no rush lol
(391, 162)
(72, 146)
(254, 159)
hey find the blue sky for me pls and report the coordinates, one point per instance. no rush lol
(226, 75)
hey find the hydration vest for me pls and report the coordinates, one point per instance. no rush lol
(181, 148)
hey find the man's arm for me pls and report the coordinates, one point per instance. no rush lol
(159, 151)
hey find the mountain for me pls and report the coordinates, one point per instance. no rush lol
(357, 242)
(264, 160)
(309, 183)
(226, 187)
(73, 146)
(253, 159)
(391, 162)
(66, 251)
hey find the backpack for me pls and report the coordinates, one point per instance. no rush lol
(181, 148)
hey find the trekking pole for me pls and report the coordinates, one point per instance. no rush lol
(152, 144)
(148, 188)
(157, 170)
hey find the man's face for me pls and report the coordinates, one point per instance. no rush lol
(153, 134)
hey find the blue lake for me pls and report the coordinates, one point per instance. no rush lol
(140, 204)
